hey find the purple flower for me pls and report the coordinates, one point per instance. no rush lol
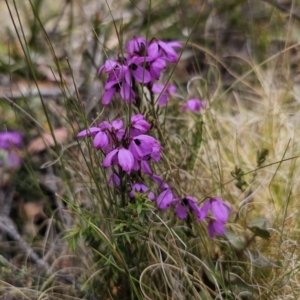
(218, 207)
(220, 212)
(136, 46)
(164, 200)
(119, 81)
(121, 157)
(121, 76)
(159, 48)
(143, 146)
(194, 105)
(139, 72)
(92, 131)
(164, 92)
(139, 125)
(183, 205)
(115, 128)
(9, 140)
(141, 188)
(156, 65)
(104, 134)
(101, 139)
(109, 66)
(215, 227)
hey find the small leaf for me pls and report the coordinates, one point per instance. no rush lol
(139, 208)
(259, 227)
(236, 241)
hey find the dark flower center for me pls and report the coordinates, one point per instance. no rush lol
(185, 201)
(133, 67)
(137, 142)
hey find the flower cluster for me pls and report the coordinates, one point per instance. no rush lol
(143, 62)
(9, 141)
(219, 210)
(128, 149)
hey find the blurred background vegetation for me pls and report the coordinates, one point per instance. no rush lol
(245, 53)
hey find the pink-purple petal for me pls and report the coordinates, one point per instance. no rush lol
(157, 88)
(100, 140)
(219, 211)
(181, 211)
(117, 124)
(108, 95)
(142, 75)
(215, 227)
(126, 160)
(164, 200)
(153, 50)
(109, 157)
(145, 167)
(163, 99)
(204, 210)
(194, 105)
(88, 132)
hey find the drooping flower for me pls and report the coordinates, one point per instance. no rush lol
(101, 140)
(220, 213)
(219, 209)
(108, 66)
(137, 46)
(139, 125)
(184, 205)
(164, 92)
(194, 105)
(145, 146)
(121, 157)
(92, 131)
(215, 227)
(165, 198)
(104, 134)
